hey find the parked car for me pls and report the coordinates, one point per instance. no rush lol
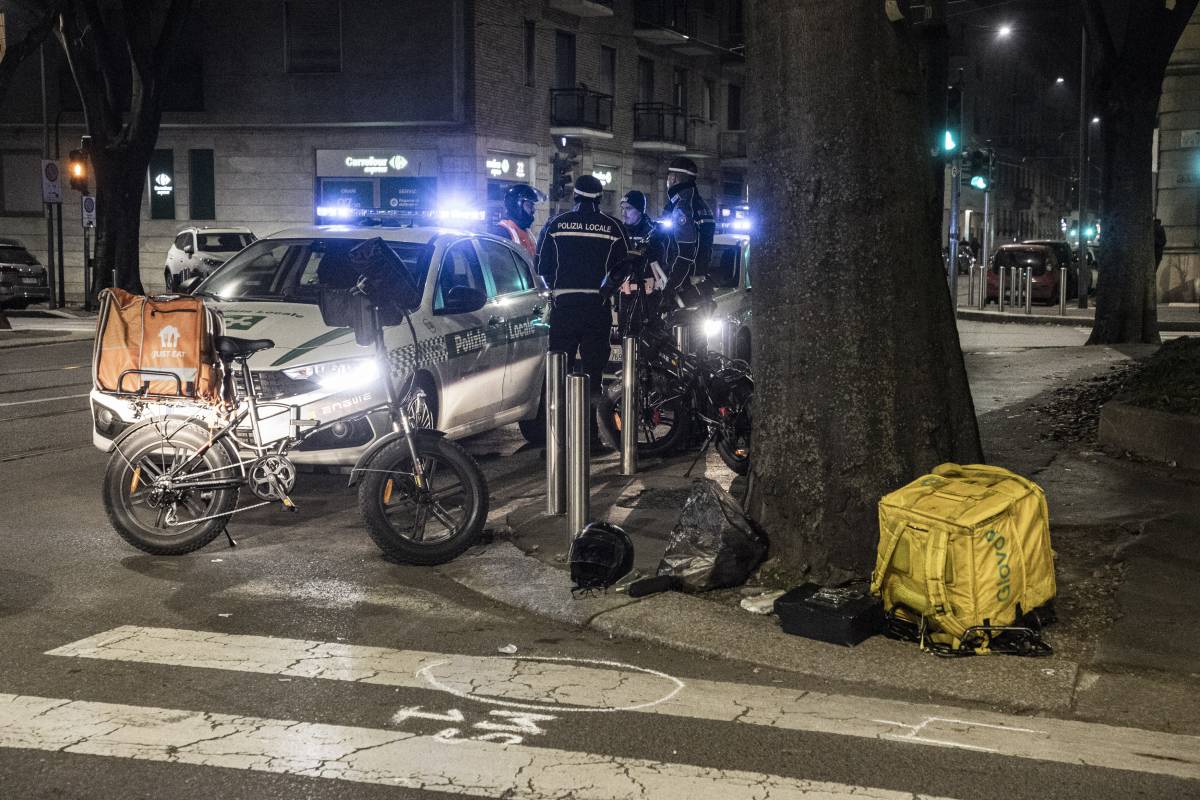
(477, 368)
(199, 251)
(729, 270)
(1040, 258)
(1067, 254)
(22, 279)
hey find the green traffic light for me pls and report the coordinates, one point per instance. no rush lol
(948, 144)
(979, 182)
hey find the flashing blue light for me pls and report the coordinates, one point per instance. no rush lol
(949, 144)
(335, 212)
(742, 225)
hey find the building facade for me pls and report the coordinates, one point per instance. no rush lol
(283, 113)
(1177, 176)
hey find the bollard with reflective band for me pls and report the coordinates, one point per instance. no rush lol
(1062, 291)
(629, 406)
(579, 409)
(1000, 293)
(983, 286)
(556, 430)
(683, 338)
(1028, 290)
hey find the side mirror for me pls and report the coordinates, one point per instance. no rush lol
(463, 300)
(187, 248)
(189, 285)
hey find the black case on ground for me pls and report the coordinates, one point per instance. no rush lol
(837, 616)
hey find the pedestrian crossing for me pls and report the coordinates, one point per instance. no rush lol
(493, 713)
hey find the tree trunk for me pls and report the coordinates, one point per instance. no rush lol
(861, 384)
(1126, 298)
(120, 181)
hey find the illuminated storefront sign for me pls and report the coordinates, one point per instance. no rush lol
(375, 163)
(604, 174)
(508, 167)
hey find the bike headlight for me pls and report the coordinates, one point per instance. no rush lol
(713, 327)
(352, 373)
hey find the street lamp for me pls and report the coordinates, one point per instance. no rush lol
(1060, 80)
(1005, 31)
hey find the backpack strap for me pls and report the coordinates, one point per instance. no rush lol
(882, 567)
(935, 583)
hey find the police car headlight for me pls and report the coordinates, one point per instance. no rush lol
(351, 373)
(713, 327)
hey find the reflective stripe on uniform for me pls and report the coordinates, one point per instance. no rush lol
(605, 236)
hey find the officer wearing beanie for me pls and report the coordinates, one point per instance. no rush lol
(519, 201)
(574, 254)
(647, 238)
(692, 225)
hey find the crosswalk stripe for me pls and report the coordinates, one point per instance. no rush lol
(564, 686)
(439, 763)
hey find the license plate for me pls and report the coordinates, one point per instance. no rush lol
(29, 281)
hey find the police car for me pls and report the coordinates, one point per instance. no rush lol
(728, 329)
(476, 368)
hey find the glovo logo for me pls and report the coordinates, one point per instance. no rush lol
(1003, 570)
(168, 337)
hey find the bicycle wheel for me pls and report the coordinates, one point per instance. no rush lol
(164, 521)
(733, 444)
(430, 525)
(663, 418)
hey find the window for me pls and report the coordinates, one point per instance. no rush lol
(645, 75)
(608, 70)
(202, 191)
(708, 100)
(564, 60)
(734, 108)
(21, 183)
(680, 95)
(313, 30)
(506, 276)
(183, 240)
(460, 267)
(223, 242)
(530, 51)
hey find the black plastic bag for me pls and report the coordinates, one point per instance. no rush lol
(714, 544)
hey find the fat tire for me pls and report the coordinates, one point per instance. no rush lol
(117, 477)
(400, 548)
(674, 438)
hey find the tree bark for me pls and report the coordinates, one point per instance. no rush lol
(860, 380)
(120, 181)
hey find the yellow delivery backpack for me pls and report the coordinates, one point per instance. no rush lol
(962, 552)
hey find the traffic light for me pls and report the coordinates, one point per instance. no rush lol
(562, 176)
(952, 135)
(77, 170)
(978, 170)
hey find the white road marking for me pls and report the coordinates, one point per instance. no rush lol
(559, 686)
(43, 399)
(388, 757)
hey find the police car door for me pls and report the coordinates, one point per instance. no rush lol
(473, 375)
(517, 307)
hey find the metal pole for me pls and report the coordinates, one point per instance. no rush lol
(62, 255)
(1000, 288)
(1084, 274)
(1062, 291)
(87, 272)
(1028, 290)
(629, 406)
(49, 207)
(683, 338)
(556, 429)
(952, 265)
(987, 232)
(578, 454)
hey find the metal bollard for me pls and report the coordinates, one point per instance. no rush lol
(579, 409)
(970, 286)
(1028, 290)
(1000, 288)
(1014, 291)
(1062, 291)
(629, 406)
(983, 286)
(556, 425)
(683, 338)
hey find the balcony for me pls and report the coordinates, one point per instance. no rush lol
(733, 148)
(584, 8)
(661, 21)
(581, 113)
(659, 127)
(701, 137)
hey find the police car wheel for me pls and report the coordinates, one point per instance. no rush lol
(534, 430)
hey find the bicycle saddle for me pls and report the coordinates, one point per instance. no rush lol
(230, 347)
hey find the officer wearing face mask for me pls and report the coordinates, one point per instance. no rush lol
(691, 226)
(519, 202)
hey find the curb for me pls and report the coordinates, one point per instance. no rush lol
(17, 341)
(974, 315)
(1150, 433)
(501, 572)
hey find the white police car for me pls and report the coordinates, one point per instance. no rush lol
(476, 368)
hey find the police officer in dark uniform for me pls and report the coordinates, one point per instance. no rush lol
(519, 202)
(691, 226)
(574, 254)
(639, 299)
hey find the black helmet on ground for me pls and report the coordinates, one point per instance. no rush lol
(601, 555)
(514, 200)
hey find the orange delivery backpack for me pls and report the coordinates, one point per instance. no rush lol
(157, 347)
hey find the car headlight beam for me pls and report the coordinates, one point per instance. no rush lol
(346, 375)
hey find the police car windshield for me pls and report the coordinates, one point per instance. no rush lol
(295, 270)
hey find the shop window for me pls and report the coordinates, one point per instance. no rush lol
(202, 189)
(21, 183)
(313, 30)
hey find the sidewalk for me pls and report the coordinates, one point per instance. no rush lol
(1173, 317)
(34, 326)
(1129, 583)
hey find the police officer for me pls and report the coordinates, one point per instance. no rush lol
(519, 201)
(653, 245)
(691, 225)
(574, 254)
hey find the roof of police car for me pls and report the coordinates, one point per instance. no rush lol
(423, 234)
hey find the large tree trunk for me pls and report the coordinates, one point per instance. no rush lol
(860, 380)
(120, 181)
(1126, 297)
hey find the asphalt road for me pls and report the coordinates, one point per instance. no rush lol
(301, 664)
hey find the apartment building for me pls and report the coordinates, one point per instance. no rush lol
(1177, 171)
(282, 109)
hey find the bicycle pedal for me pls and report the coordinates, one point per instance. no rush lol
(288, 505)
